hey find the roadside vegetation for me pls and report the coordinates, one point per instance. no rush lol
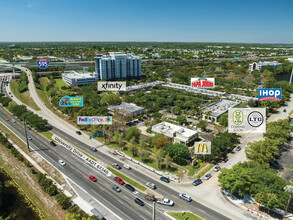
(184, 216)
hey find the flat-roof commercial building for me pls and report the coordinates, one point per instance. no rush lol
(129, 108)
(216, 109)
(79, 78)
(259, 65)
(176, 133)
(117, 65)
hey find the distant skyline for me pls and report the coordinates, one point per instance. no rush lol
(227, 21)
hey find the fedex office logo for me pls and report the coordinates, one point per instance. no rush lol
(94, 120)
(269, 94)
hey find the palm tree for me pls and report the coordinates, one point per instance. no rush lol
(159, 157)
(132, 146)
(141, 147)
(288, 189)
(167, 161)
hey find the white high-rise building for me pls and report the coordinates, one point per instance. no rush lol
(117, 65)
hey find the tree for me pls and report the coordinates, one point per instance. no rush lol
(118, 138)
(141, 147)
(133, 147)
(223, 120)
(111, 99)
(167, 160)
(202, 125)
(181, 119)
(288, 189)
(63, 200)
(160, 142)
(159, 157)
(132, 132)
(178, 152)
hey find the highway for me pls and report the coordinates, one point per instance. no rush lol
(78, 171)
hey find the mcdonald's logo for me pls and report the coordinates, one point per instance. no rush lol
(202, 148)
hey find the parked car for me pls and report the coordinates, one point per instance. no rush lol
(139, 201)
(197, 182)
(61, 162)
(119, 180)
(78, 132)
(92, 178)
(28, 128)
(284, 110)
(128, 186)
(207, 176)
(116, 188)
(217, 168)
(238, 148)
(93, 149)
(185, 197)
(127, 166)
(151, 185)
(53, 143)
(165, 179)
(225, 159)
(29, 138)
(116, 165)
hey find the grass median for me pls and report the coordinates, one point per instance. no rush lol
(184, 216)
(205, 170)
(127, 179)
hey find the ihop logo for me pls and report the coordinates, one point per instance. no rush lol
(269, 94)
(43, 63)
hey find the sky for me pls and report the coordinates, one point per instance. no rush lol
(239, 21)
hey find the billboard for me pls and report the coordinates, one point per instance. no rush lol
(94, 120)
(67, 101)
(203, 82)
(243, 120)
(112, 86)
(43, 63)
(269, 94)
(202, 148)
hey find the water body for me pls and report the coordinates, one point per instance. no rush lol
(13, 203)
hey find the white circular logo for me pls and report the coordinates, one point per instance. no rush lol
(255, 119)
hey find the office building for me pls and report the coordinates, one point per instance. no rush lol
(79, 78)
(129, 108)
(117, 65)
(176, 133)
(259, 65)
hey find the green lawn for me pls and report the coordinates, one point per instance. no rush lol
(192, 169)
(127, 179)
(205, 170)
(61, 83)
(23, 97)
(47, 134)
(186, 216)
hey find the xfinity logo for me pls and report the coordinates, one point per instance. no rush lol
(112, 86)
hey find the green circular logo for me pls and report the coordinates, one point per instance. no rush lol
(237, 117)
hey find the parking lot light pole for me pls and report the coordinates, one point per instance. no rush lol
(27, 143)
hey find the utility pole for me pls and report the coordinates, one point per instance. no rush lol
(290, 81)
(154, 211)
(27, 143)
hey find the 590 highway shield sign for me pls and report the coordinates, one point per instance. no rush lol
(243, 120)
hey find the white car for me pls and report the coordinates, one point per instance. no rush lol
(185, 197)
(61, 162)
(13, 121)
(166, 201)
(29, 138)
(151, 185)
(127, 166)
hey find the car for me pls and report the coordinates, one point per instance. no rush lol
(185, 197)
(151, 185)
(140, 119)
(127, 166)
(284, 110)
(128, 186)
(78, 132)
(139, 201)
(116, 165)
(53, 143)
(93, 149)
(238, 148)
(13, 121)
(207, 176)
(197, 182)
(165, 201)
(217, 168)
(165, 179)
(116, 188)
(225, 159)
(92, 178)
(28, 128)
(29, 138)
(6, 119)
(61, 162)
(119, 180)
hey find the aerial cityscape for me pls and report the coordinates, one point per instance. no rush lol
(146, 110)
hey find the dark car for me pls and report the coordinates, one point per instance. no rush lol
(140, 119)
(93, 149)
(225, 159)
(197, 182)
(165, 179)
(139, 202)
(284, 110)
(78, 132)
(128, 186)
(28, 128)
(53, 143)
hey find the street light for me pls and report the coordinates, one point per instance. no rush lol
(27, 143)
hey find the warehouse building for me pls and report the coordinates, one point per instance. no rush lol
(129, 108)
